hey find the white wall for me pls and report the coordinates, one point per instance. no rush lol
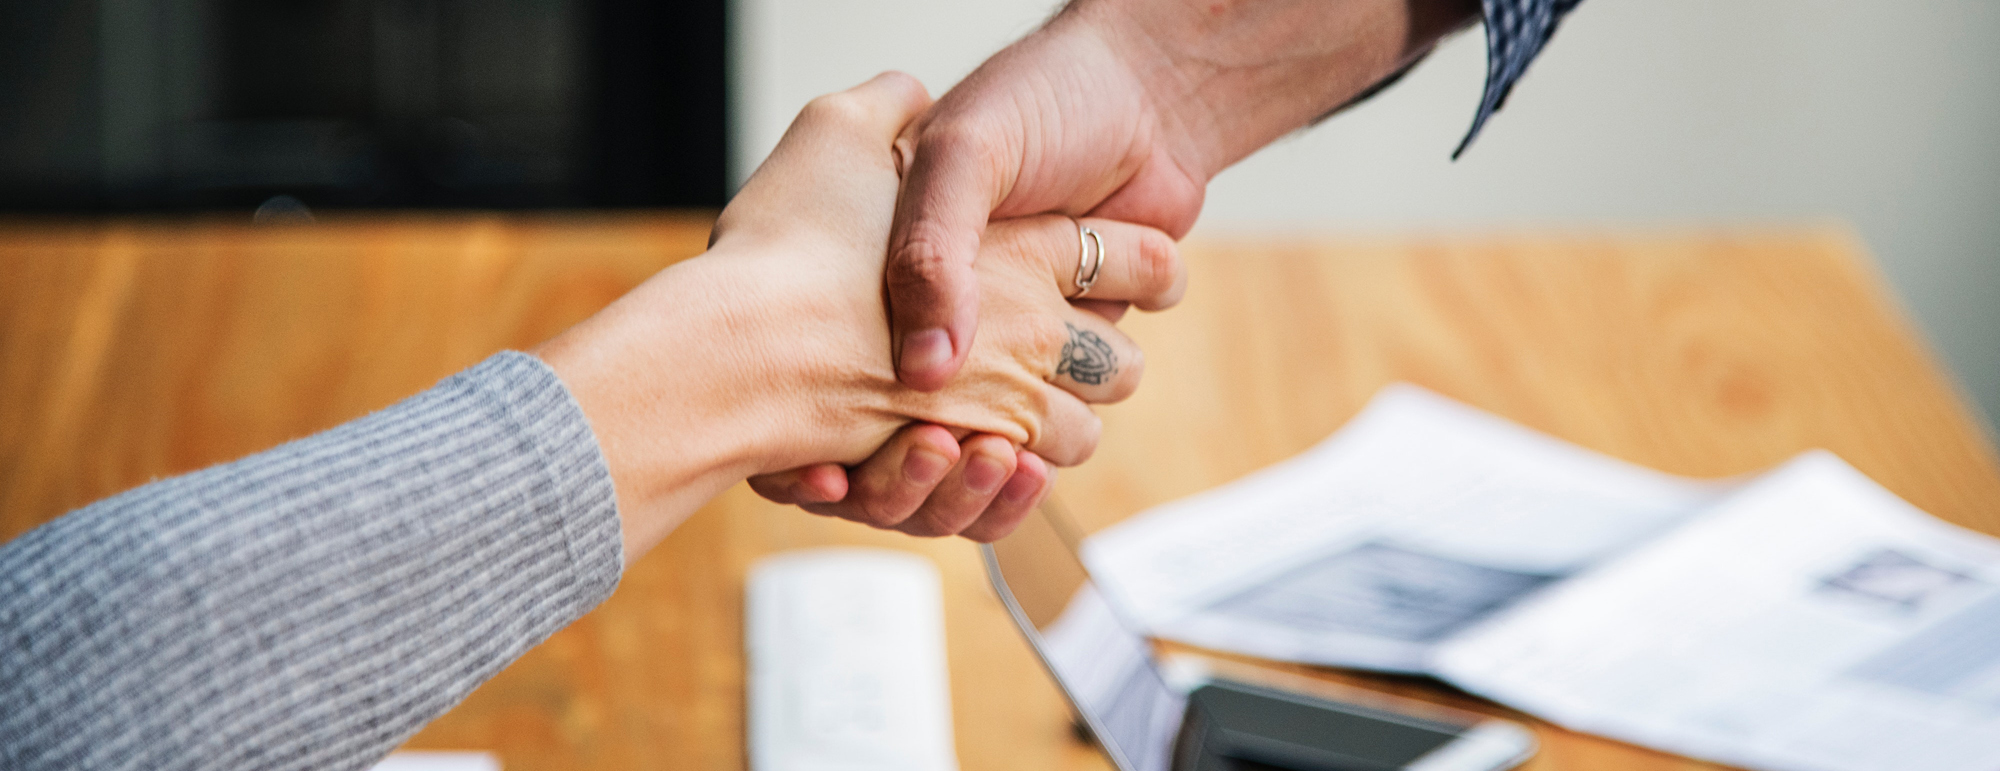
(1884, 115)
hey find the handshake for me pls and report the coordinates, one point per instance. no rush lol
(891, 324)
(902, 319)
(770, 357)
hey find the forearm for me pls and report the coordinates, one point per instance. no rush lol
(313, 605)
(1233, 75)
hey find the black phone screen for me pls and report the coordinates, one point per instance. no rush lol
(1239, 727)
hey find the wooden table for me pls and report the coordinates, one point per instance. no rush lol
(135, 349)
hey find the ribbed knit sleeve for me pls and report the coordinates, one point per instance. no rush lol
(312, 606)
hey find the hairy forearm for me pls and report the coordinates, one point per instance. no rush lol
(1229, 76)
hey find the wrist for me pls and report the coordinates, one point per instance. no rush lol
(691, 388)
(647, 373)
(1229, 76)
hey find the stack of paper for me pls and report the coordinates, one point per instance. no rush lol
(1806, 619)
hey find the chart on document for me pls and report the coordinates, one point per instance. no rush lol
(1805, 619)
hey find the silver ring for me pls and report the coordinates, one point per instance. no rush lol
(1089, 260)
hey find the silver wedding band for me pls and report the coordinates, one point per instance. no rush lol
(1089, 260)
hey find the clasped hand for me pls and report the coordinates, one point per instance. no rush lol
(769, 356)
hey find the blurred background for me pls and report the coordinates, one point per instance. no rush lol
(137, 105)
(1643, 113)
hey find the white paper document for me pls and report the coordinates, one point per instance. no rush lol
(433, 760)
(1416, 520)
(1813, 622)
(1803, 620)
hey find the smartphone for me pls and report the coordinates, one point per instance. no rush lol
(1198, 715)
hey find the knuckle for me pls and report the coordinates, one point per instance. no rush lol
(1086, 445)
(906, 85)
(956, 137)
(842, 108)
(1156, 268)
(923, 285)
(1047, 340)
(1078, 445)
(1033, 418)
(881, 511)
(1129, 374)
(1073, 442)
(921, 525)
(945, 521)
(924, 260)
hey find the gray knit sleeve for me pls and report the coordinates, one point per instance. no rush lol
(312, 606)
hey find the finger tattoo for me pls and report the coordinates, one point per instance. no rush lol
(1086, 357)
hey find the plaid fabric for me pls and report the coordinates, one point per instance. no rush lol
(1516, 30)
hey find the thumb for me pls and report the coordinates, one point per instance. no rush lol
(949, 190)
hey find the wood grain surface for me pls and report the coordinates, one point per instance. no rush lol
(135, 349)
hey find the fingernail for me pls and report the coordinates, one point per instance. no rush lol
(925, 351)
(1020, 489)
(921, 466)
(984, 473)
